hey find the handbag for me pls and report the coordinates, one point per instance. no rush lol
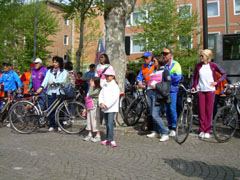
(89, 103)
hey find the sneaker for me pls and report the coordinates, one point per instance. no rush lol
(8, 125)
(96, 139)
(105, 142)
(59, 129)
(51, 129)
(113, 144)
(164, 138)
(87, 138)
(172, 133)
(153, 135)
(201, 135)
(207, 135)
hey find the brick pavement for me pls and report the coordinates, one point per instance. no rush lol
(58, 156)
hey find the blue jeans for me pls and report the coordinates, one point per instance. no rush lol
(109, 120)
(171, 112)
(42, 100)
(51, 117)
(155, 111)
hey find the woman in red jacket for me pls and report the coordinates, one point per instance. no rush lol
(204, 80)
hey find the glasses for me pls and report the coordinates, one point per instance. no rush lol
(164, 53)
(154, 60)
(101, 56)
(201, 56)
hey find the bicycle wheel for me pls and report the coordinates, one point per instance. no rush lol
(225, 123)
(124, 104)
(134, 112)
(184, 124)
(23, 117)
(69, 117)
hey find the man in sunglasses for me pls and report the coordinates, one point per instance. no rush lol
(176, 76)
(146, 70)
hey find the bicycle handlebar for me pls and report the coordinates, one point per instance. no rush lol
(188, 90)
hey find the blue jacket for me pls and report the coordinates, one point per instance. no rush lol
(10, 80)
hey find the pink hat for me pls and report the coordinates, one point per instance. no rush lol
(110, 71)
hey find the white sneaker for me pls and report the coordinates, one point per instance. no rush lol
(164, 138)
(87, 138)
(8, 125)
(152, 135)
(207, 135)
(59, 129)
(96, 139)
(201, 135)
(51, 129)
(172, 133)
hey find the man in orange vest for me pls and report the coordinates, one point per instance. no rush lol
(146, 70)
(25, 78)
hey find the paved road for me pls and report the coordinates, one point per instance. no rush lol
(58, 156)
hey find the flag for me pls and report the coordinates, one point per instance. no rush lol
(100, 50)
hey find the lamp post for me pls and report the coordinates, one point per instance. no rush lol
(35, 31)
(205, 24)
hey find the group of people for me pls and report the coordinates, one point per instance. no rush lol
(161, 71)
(161, 74)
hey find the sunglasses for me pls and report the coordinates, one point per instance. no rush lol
(201, 56)
(154, 60)
(164, 53)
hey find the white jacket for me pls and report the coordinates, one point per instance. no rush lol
(109, 95)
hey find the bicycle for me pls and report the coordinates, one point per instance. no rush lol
(12, 97)
(26, 116)
(226, 119)
(185, 119)
(137, 107)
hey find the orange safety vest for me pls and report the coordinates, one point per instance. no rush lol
(147, 72)
(26, 82)
(1, 89)
(220, 86)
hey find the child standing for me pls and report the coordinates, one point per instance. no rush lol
(109, 103)
(93, 121)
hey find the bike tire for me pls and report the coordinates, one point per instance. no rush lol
(69, 117)
(124, 104)
(23, 117)
(134, 112)
(184, 125)
(225, 123)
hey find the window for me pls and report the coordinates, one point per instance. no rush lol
(211, 37)
(137, 46)
(213, 9)
(237, 32)
(66, 22)
(65, 39)
(236, 7)
(185, 10)
(137, 16)
(185, 42)
(66, 57)
(231, 47)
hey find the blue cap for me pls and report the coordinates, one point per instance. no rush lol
(147, 54)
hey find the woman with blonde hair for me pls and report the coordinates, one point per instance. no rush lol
(204, 80)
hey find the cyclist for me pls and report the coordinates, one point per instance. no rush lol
(175, 71)
(146, 70)
(54, 75)
(10, 79)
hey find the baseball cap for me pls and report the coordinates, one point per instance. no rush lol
(166, 51)
(147, 54)
(38, 60)
(110, 71)
(7, 64)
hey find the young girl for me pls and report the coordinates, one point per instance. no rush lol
(93, 121)
(109, 103)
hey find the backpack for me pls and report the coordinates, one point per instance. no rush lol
(69, 88)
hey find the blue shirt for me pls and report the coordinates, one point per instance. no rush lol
(10, 80)
(88, 75)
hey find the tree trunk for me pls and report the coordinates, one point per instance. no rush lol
(115, 17)
(80, 47)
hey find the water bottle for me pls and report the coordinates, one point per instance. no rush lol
(2, 104)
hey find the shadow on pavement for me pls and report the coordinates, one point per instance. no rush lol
(199, 169)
